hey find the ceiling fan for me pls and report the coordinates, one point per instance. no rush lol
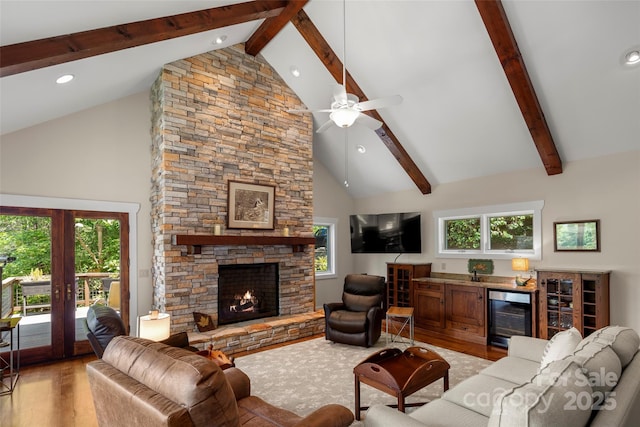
(346, 109)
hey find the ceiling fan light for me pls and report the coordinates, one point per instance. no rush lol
(344, 117)
(632, 58)
(66, 78)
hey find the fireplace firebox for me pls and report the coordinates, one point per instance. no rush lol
(247, 291)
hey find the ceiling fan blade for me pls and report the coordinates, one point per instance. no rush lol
(326, 110)
(325, 126)
(340, 94)
(368, 121)
(379, 103)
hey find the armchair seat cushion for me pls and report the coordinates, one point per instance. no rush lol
(350, 322)
(256, 412)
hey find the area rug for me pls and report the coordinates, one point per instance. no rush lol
(304, 376)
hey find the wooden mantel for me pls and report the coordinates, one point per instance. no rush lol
(194, 242)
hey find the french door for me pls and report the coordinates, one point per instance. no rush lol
(88, 262)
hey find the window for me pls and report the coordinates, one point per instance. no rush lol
(497, 231)
(324, 230)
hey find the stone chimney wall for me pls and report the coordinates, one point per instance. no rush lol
(217, 117)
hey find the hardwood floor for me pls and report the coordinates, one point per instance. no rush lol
(58, 394)
(55, 394)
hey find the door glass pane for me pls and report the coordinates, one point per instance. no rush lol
(97, 266)
(25, 248)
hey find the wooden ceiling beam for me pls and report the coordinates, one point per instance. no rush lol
(330, 60)
(504, 42)
(271, 27)
(32, 55)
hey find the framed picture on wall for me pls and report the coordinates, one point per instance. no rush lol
(578, 236)
(251, 206)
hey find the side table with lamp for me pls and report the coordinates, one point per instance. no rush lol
(156, 326)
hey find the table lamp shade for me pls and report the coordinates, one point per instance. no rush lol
(520, 264)
(155, 329)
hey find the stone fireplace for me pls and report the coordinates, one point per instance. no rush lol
(219, 117)
(247, 292)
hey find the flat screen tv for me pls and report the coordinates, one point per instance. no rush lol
(386, 233)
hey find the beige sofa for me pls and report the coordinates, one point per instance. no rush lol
(567, 381)
(143, 383)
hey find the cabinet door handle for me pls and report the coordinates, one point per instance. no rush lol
(57, 293)
(68, 292)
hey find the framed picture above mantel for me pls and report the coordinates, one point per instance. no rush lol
(577, 236)
(251, 206)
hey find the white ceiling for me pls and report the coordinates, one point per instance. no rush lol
(459, 119)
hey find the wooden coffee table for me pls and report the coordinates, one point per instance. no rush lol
(400, 373)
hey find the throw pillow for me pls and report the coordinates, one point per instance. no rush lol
(550, 398)
(561, 345)
(204, 322)
(624, 341)
(601, 365)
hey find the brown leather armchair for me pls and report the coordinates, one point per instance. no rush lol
(147, 384)
(357, 320)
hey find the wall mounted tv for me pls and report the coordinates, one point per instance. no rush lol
(386, 233)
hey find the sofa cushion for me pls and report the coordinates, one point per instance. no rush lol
(546, 400)
(478, 393)
(443, 413)
(601, 365)
(512, 369)
(560, 346)
(624, 341)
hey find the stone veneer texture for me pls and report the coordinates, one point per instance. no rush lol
(217, 117)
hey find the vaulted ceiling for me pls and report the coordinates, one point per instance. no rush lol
(488, 87)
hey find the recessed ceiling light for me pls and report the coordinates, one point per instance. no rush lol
(632, 57)
(220, 39)
(294, 71)
(64, 79)
(361, 149)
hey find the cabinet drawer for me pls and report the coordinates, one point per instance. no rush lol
(466, 327)
(429, 286)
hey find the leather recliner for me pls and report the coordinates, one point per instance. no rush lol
(103, 323)
(147, 384)
(357, 320)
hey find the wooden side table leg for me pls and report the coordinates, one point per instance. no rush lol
(357, 395)
(446, 380)
(400, 402)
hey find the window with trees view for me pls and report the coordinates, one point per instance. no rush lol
(324, 233)
(500, 231)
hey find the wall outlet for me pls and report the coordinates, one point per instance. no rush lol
(443, 266)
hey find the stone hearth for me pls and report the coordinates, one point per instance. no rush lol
(220, 117)
(251, 336)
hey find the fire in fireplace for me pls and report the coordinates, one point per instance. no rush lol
(247, 291)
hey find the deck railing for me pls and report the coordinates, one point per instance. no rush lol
(34, 297)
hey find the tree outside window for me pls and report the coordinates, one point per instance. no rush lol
(324, 233)
(498, 231)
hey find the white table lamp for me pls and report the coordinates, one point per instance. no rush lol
(155, 329)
